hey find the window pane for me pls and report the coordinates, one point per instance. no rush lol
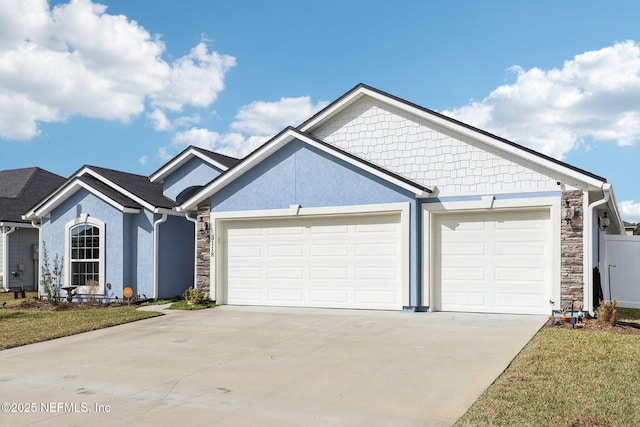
(84, 254)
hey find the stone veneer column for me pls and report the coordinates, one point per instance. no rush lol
(572, 250)
(203, 251)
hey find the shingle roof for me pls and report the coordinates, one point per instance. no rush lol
(139, 185)
(21, 189)
(220, 158)
(114, 195)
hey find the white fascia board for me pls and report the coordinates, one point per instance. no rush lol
(44, 209)
(177, 162)
(613, 207)
(275, 145)
(16, 224)
(89, 171)
(463, 130)
(171, 212)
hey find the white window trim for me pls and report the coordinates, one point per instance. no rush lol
(84, 219)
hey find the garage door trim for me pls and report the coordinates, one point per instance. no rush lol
(486, 204)
(220, 219)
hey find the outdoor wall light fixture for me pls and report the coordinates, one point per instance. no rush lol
(567, 211)
(604, 221)
(203, 227)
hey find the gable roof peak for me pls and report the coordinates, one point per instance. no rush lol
(220, 161)
(362, 89)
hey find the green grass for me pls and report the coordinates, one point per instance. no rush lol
(628, 314)
(567, 378)
(21, 327)
(182, 305)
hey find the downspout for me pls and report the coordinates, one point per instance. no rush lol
(195, 248)
(156, 253)
(5, 255)
(589, 294)
(39, 228)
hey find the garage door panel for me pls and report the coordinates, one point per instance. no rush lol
(494, 262)
(520, 248)
(524, 302)
(329, 250)
(372, 297)
(329, 296)
(344, 262)
(461, 301)
(464, 248)
(376, 250)
(515, 275)
(246, 251)
(462, 274)
(285, 250)
(245, 272)
(285, 273)
(329, 273)
(285, 295)
(247, 294)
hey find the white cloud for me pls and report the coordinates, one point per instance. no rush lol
(255, 124)
(268, 118)
(76, 59)
(593, 96)
(630, 210)
(231, 144)
(143, 160)
(159, 120)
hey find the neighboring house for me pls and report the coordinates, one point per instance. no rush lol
(378, 203)
(20, 189)
(117, 230)
(629, 228)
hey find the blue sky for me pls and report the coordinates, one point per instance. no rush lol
(128, 84)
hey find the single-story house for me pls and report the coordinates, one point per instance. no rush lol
(379, 203)
(20, 189)
(116, 229)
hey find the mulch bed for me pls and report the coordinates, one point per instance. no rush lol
(592, 325)
(40, 305)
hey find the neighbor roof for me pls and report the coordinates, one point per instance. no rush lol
(126, 191)
(21, 189)
(218, 160)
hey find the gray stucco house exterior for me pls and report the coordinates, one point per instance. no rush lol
(20, 189)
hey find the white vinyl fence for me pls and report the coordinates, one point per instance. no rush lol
(620, 270)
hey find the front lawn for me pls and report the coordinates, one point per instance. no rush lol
(19, 327)
(566, 377)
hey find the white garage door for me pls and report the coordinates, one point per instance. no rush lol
(494, 262)
(335, 262)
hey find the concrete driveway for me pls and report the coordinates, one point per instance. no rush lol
(249, 366)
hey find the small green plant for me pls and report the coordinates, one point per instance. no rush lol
(51, 280)
(607, 313)
(194, 295)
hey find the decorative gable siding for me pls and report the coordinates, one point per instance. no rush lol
(195, 172)
(429, 154)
